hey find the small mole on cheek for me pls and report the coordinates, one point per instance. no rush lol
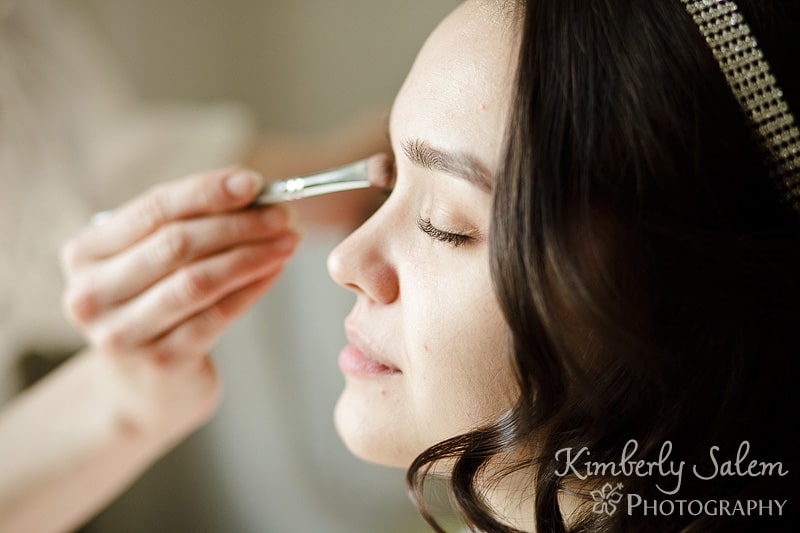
(484, 107)
(383, 392)
(425, 347)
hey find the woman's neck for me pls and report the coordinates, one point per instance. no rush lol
(512, 499)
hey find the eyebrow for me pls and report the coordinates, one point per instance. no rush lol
(458, 164)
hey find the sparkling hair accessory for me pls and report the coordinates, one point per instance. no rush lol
(750, 78)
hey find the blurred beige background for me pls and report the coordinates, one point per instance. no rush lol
(300, 65)
(270, 461)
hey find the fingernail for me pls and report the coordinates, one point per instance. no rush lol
(100, 218)
(244, 183)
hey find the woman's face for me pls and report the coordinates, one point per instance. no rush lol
(427, 355)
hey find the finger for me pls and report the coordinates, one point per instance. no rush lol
(203, 330)
(199, 194)
(185, 292)
(130, 272)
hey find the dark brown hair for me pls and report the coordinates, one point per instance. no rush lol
(647, 269)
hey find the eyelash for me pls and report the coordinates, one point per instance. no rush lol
(424, 224)
(454, 239)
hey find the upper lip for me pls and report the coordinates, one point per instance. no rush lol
(365, 345)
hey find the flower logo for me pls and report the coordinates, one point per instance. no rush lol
(606, 499)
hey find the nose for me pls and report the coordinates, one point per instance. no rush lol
(362, 261)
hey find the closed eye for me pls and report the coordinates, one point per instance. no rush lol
(454, 239)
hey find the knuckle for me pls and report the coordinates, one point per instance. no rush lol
(244, 223)
(174, 245)
(151, 209)
(203, 190)
(209, 196)
(163, 355)
(109, 339)
(248, 259)
(81, 304)
(195, 285)
(244, 226)
(218, 314)
(255, 256)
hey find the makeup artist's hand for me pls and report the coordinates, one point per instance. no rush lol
(154, 285)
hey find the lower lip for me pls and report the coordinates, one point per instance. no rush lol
(352, 361)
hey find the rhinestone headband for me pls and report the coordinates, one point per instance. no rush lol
(753, 84)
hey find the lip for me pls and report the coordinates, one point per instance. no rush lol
(358, 358)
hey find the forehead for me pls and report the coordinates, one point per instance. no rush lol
(457, 94)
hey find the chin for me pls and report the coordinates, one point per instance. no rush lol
(375, 437)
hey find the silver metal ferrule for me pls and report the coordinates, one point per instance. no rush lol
(346, 178)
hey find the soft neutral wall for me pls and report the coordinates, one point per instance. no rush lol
(299, 64)
(270, 460)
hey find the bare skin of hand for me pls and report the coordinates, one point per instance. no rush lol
(153, 286)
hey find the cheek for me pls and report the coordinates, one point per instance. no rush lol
(459, 374)
(456, 373)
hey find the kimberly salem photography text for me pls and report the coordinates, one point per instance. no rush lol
(670, 474)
